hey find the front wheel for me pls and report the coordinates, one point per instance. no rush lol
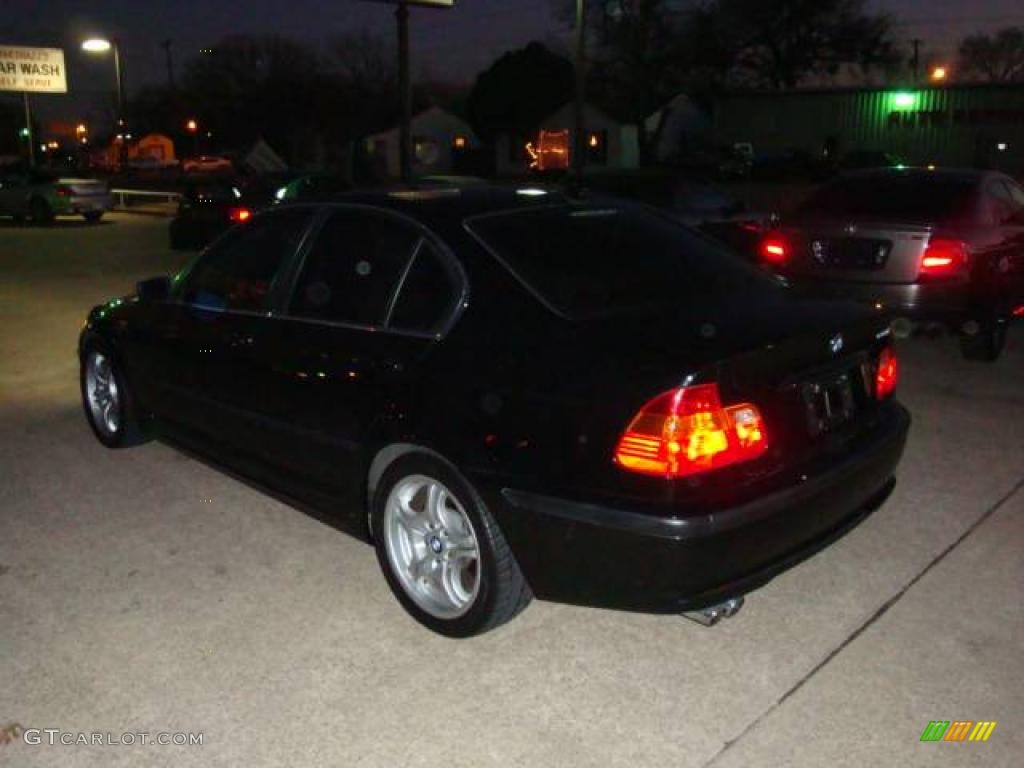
(109, 406)
(442, 553)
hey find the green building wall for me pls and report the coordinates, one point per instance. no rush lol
(978, 125)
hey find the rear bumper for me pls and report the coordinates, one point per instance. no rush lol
(613, 557)
(925, 302)
(84, 204)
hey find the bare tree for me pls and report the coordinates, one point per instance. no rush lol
(998, 57)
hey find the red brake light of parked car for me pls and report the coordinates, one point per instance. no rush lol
(687, 430)
(63, 191)
(1019, 311)
(887, 374)
(774, 250)
(943, 256)
(239, 214)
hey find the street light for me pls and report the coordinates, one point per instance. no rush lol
(939, 74)
(100, 45)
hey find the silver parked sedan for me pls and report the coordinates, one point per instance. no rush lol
(40, 196)
(926, 245)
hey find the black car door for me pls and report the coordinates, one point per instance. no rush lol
(210, 338)
(1013, 233)
(373, 295)
(1004, 276)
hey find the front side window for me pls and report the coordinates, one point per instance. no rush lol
(353, 268)
(238, 272)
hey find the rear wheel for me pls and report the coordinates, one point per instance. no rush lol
(109, 406)
(93, 217)
(441, 552)
(984, 341)
(40, 211)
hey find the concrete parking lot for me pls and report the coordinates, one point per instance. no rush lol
(144, 591)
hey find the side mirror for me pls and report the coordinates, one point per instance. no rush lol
(154, 289)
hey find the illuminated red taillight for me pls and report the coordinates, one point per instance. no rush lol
(887, 374)
(686, 431)
(944, 256)
(1019, 311)
(63, 191)
(239, 214)
(774, 250)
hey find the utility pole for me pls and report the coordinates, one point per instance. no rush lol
(166, 45)
(405, 93)
(579, 144)
(28, 133)
(915, 61)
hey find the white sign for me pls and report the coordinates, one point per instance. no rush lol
(36, 70)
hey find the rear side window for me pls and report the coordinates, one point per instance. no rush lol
(353, 268)
(428, 294)
(912, 197)
(238, 272)
(589, 261)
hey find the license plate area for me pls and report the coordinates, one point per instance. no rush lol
(851, 253)
(829, 403)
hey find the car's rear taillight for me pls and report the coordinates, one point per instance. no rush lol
(687, 430)
(944, 257)
(239, 214)
(63, 191)
(887, 374)
(774, 249)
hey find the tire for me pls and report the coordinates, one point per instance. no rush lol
(40, 211)
(986, 345)
(446, 562)
(93, 217)
(110, 410)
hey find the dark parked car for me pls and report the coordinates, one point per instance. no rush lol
(720, 216)
(862, 160)
(930, 246)
(206, 211)
(514, 395)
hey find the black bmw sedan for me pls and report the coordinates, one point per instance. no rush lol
(514, 394)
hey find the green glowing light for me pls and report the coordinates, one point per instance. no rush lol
(904, 100)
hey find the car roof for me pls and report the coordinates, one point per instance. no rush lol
(446, 204)
(915, 172)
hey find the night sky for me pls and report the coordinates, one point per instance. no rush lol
(450, 45)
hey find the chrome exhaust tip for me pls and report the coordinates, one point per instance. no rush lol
(708, 617)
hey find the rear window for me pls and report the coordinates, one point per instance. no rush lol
(593, 261)
(897, 197)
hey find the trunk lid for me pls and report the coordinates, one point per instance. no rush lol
(864, 252)
(805, 364)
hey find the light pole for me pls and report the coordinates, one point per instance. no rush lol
(579, 146)
(99, 45)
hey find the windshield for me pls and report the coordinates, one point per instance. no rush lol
(592, 261)
(914, 198)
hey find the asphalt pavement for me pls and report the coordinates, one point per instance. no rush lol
(143, 591)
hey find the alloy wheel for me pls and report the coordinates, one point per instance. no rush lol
(102, 394)
(432, 547)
